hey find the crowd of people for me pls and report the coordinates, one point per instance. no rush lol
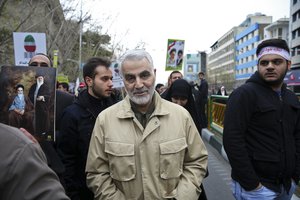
(122, 148)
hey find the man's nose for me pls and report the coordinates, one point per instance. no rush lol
(139, 82)
(110, 83)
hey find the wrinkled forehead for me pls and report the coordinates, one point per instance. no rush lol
(40, 59)
(176, 75)
(135, 66)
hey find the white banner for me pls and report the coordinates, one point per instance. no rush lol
(26, 45)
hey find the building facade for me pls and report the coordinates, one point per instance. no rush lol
(193, 64)
(246, 44)
(221, 61)
(294, 40)
(278, 29)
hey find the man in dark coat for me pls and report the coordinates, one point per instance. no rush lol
(63, 100)
(77, 125)
(201, 99)
(39, 94)
(262, 129)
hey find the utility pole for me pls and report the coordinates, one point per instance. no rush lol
(79, 78)
(80, 42)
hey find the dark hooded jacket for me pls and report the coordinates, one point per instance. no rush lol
(262, 135)
(76, 128)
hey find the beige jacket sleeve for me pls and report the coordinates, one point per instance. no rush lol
(195, 159)
(29, 177)
(97, 169)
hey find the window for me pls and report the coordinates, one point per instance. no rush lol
(293, 34)
(295, 17)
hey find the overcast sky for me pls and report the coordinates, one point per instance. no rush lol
(200, 23)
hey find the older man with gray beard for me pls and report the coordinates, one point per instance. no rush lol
(39, 95)
(145, 147)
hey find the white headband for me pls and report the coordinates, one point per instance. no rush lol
(274, 50)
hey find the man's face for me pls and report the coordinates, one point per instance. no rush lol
(272, 69)
(61, 88)
(179, 55)
(201, 76)
(139, 80)
(20, 90)
(101, 85)
(39, 61)
(172, 54)
(160, 89)
(175, 76)
(40, 79)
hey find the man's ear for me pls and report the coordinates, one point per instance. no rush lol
(154, 71)
(289, 64)
(89, 81)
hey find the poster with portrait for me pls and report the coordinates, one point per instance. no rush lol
(175, 53)
(117, 79)
(27, 99)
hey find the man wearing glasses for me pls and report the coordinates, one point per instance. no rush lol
(262, 129)
(40, 60)
(63, 100)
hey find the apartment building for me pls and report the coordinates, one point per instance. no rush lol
(294, 41)
(194, 63)
(278, 29)
(246, 43)
(221, 61)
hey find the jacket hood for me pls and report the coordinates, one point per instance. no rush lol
(255, 78)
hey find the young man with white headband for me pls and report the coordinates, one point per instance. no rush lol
(262, 129)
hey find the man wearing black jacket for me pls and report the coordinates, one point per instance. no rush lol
(201, 99)
(262, 129)
(77, 124)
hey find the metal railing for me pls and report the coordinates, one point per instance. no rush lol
(216, 111)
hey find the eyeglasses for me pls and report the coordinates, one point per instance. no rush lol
(274, 62)
(39, 64)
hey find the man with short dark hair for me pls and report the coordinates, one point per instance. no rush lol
(63, 86)
(262, 129)
(78, 122)
(174, 75)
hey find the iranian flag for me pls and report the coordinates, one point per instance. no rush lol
(29, 44)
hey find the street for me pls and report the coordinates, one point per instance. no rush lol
(217, 184)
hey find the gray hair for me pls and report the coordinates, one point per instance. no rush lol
(135, 54)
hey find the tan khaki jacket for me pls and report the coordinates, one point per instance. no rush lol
(165, 160)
